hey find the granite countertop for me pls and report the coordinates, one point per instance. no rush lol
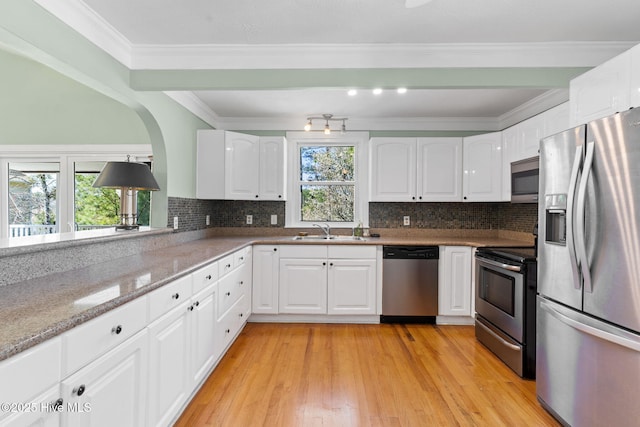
(39, 309)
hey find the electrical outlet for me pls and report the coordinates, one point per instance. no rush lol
(407, 220)
(175, 222)
(207, 220)
(249, 219)
(274, 219)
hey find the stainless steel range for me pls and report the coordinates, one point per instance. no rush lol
(506, 305)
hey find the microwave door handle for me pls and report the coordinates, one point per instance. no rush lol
(569, 216)
(581, 246)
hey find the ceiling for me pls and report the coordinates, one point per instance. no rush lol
(469, 65)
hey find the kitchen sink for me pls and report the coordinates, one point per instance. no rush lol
(331, 238)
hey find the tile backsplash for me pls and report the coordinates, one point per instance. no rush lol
(470, 216)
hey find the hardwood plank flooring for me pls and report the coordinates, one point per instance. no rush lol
(362, 375)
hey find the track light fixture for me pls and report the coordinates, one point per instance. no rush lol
(327, 118)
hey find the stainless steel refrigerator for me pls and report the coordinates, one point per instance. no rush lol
(588, 305)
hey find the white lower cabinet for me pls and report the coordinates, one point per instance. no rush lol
(266, 264)
(42, 412)
(455, 284)
(204, 348)
(169, 376)
(303, 286)
(111, 390)
(351, 286)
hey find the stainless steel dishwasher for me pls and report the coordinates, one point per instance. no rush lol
(409, 284)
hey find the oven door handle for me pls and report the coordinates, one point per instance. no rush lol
(500, 265)
(499, 338)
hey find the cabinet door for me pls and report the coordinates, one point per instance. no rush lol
(509, 154)
(351, 286)
(393, 169)
(265, 279)
(303, 286)
(42, 411)
(272, 168)
(203, 334)
(111, 390)
(482, 161)
(601, 91)
(169, 377)
(242, 162)
(556, 119)
(454, 282)
(528, 139)
(439, 169)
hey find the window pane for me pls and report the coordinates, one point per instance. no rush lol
(100, 207)
(334, 203)
(327, 163)
(33, 198)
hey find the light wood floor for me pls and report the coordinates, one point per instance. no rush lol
(363, 375)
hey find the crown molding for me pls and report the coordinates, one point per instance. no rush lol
(321, 56)
(196, 106)
(537, 105)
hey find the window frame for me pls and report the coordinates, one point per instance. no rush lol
(66, 156)
(359, 140)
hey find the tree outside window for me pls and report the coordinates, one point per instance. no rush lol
(327, 183)
(33, 198)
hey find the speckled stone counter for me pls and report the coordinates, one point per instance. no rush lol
(35, 310)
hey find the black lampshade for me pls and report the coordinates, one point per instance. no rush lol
(126, 174)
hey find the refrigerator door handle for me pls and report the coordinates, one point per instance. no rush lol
(573, 183)
(590, 330)
(581, 246)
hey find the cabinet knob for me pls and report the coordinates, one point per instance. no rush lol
(241, 314)
(324, 263)
(190, 308)
(57, 404)
(256, 196)
(413, 198)
(227, 266)
(78, 390)
(279, 196)
(420, 198)
(465, 197)
(330, 264)
(228, 294)
(275, 249)
(197, 303)
(208, 277)
(116, 329)
(175, 296)
(241, 258)
(227, 331)
(242, 282)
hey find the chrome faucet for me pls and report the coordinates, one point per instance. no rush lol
(326, 228)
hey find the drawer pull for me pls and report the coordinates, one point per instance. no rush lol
(56, 405)
(197, 303)
(242, 282)
(227, 331)
(78, 390)
(190, 308)
(228, 294)
(175, 296)
(116, 329)
(241, 258)
(241, 314)
(275, 249)
(227, 266)
(208, 277)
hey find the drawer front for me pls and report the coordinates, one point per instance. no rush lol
(169, 296)
(226, 264)
(205, 277)
(352, 251)
(242, 256)
(89, 340)
(228, 291)
(303, 251)
(231, 322)
(30, 372)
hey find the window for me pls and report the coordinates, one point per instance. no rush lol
(329, 179)
(44, 195)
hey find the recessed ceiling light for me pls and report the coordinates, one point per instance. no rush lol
(377, 91)
(352, 92)
(402, 90)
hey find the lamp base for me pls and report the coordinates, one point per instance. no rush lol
(123, 227)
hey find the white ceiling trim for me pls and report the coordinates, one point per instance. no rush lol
(196, 106)
(84, 20)
(369, 124)
(537, 105)
(93, 27)
(321, 56)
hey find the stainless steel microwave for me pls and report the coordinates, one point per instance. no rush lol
(524, 180)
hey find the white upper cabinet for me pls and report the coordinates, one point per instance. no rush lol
(439, 169)
(242, 162)
(556, 119)
(482, 164)
(272, 168)
(393, 169)
(602, 91)
(416, 169)
(529, 133)
(236, 166)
